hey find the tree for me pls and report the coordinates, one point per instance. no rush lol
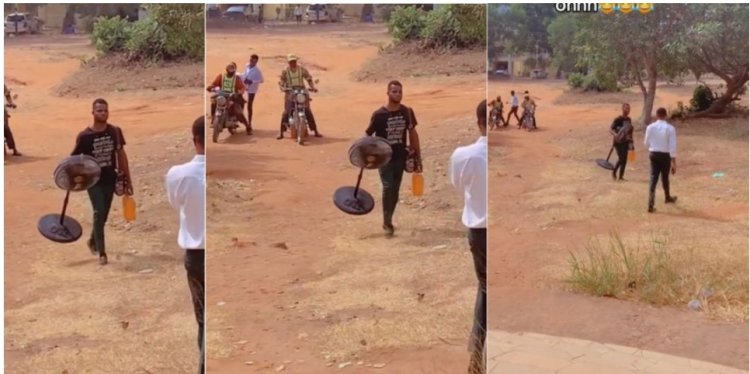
(562, 31)
(520, 28)
(716, 42)
(634, 47)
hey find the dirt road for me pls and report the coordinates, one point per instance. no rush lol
(63, 311)
(548, 199)
(296, 285)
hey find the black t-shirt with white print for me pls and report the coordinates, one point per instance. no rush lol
(393, 126)
(101, 145)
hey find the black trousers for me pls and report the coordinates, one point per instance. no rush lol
(478, 245)
(101, 196)
(9, 135)
(196, 277)
(661, 164)
(391, 176)
(622, 158)
(250, 99)
(513, 111)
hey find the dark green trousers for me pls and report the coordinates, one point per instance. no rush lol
(391, 175)
(101, 196)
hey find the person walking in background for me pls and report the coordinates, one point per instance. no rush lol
(186, 193)
(468, 173)
(9, 141)
(298, 14)
(394, 122)
(661, 140)
(622, 132)
(105, 143)
(252, 78)
(513, 108)
(278, 13)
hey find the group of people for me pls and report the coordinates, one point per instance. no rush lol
(235, 85)
(660, 139)
(527, 119)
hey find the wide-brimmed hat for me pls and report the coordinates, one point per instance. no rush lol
(291, 57)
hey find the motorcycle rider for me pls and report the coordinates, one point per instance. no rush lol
(8, 134)
(497, 112)
(294, 76)
(231, 84)
(529, 107)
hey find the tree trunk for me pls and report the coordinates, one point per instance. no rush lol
(719, 106)
(648, 98)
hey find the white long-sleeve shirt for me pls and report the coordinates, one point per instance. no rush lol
(469, 177)
(254, 74)
(186, 192)
(661, 137)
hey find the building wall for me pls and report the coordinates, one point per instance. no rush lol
(52, 15)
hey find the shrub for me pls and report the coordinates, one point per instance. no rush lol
(441, 29)
(406, 23)
(110, 34)
(183, 27)
(702, 99)
(146, 41)
(575, 80)
(171, 31)
(472, 23)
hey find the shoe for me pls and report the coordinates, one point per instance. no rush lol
(280, 137)
(389, 229)
(651, 209)
(92, 247)
(318, 135)
(671, 200)
(623, 180)
(16, 153)
(103, 259)
(249, 132)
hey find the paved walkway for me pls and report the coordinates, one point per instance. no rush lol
(530, 353)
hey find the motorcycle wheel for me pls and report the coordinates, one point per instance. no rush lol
(216, 130)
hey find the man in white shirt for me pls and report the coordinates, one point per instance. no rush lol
(469, 177)
(513, 108)
(186, 192)
(298, 14)
(661, 140)
(252, 79)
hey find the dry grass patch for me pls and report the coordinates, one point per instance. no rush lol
(382, 302)
(660, 272)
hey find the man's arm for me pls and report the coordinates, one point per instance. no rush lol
(260, 75)
(371, 129)
(306, 75)
(283, 79)
(646, 136)
(216, 83)
(613, 127)
(172, 187)
(77, 148)
(413, 135)
(673, 148)
(122, 157)
(239, 87)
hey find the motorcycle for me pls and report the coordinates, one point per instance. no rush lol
(224, 116)
(297, 123)
(527, 122)
(495, 118)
